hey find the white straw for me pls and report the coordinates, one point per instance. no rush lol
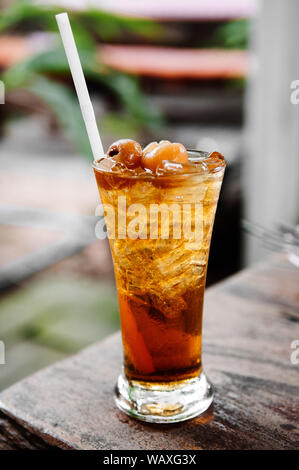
(80, 84)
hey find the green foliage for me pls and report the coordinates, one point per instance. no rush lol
(64, 105)
(129, 93)
(22, 11)
(121, 124)
(236, 83)
(110, 26)
(64, 313)
(233, 34)
(36, 74)
(49, 62)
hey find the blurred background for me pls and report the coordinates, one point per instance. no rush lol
(212, 74)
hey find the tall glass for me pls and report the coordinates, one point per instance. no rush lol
(160, 231)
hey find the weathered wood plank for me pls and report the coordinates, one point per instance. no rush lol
(250, 321)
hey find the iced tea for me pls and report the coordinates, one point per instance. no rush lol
(161, 281)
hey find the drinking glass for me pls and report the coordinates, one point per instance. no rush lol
(160, 230)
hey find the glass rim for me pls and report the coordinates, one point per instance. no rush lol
(199, 156)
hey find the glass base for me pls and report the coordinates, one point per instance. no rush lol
(164, 403)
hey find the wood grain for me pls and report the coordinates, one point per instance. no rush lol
(250, 321)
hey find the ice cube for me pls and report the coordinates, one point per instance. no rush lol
(168, 167)
(110, 164)
(105, 164)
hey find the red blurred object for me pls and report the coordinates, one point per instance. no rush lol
(13, 49)
(151, 61)
(176, 63)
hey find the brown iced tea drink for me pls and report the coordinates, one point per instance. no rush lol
(159, 217)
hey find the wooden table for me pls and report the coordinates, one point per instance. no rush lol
(250, 322)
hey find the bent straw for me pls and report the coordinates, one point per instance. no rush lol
(80, 84)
